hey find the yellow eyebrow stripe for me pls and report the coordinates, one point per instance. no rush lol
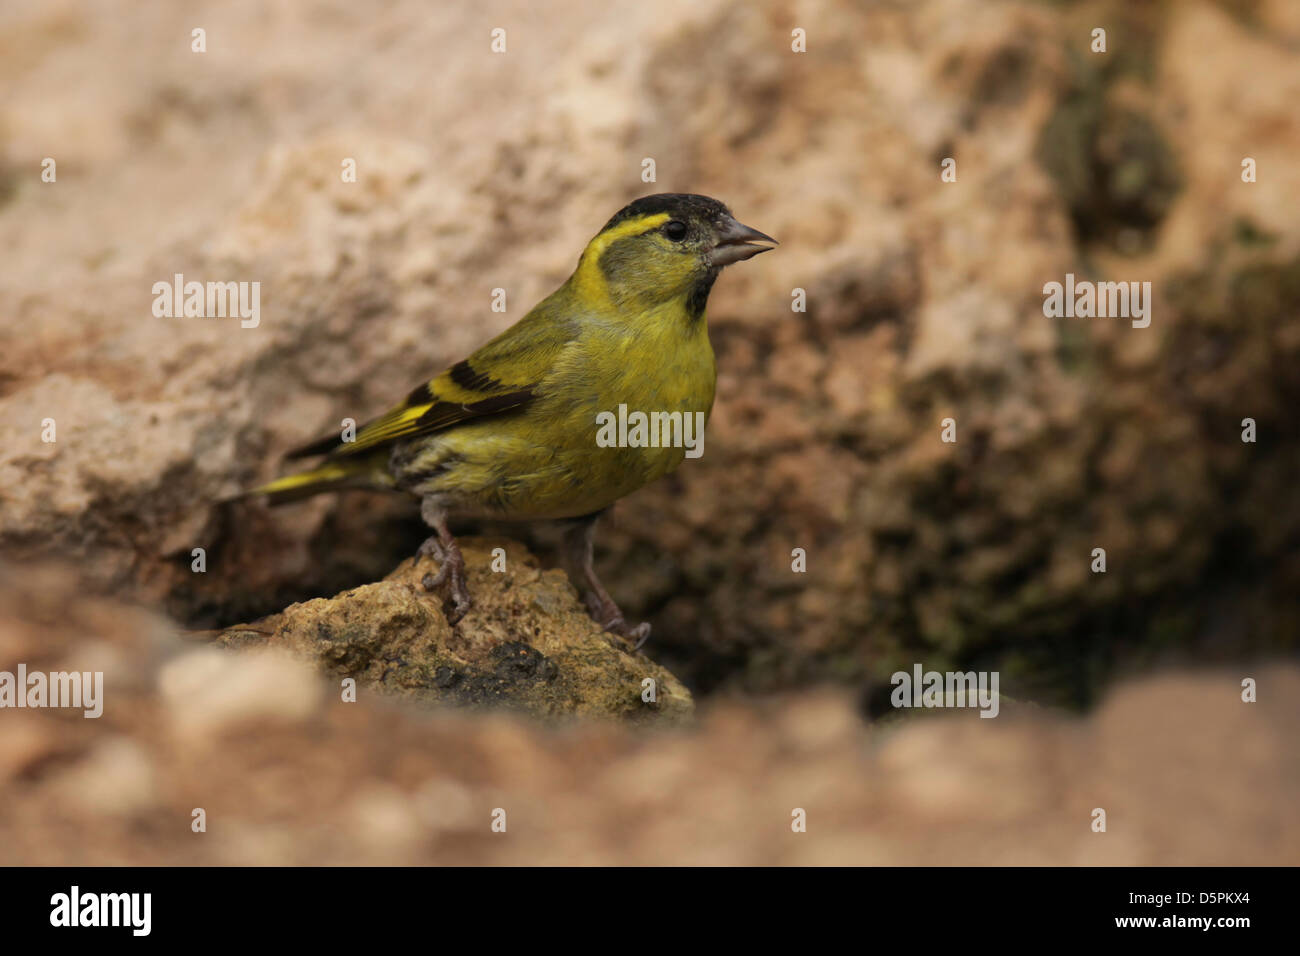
(587, 278)
(633, 227)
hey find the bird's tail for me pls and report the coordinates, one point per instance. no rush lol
(327, 476)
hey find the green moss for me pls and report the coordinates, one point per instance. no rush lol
(1117, 174)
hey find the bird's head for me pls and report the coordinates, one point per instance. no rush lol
(667, 247)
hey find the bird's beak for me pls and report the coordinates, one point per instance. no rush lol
(736, 243)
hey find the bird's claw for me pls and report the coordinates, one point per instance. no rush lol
(638, 635)
(608, 616)
(451, 572)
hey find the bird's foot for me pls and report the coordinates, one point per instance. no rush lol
(451, 572)
(606, 613)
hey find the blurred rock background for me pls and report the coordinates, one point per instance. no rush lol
(286, 773)
(480, 170)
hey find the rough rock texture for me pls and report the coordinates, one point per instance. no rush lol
(480, 171)
(526, 644)
(286, 773)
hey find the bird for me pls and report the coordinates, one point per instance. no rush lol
(511, 432)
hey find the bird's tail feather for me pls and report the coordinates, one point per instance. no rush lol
(328, 476)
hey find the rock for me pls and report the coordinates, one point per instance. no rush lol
(209, 690)
(1187, 773)
(526, 644)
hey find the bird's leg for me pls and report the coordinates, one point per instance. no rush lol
(442, 547)
(578, 548)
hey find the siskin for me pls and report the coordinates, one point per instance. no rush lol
(511, 431)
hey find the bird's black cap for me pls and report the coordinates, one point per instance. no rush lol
(685, 205)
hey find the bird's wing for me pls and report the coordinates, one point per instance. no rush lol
(502, 376)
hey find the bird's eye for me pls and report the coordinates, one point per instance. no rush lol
(675, 230)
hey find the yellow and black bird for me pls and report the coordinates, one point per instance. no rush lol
(511, 431)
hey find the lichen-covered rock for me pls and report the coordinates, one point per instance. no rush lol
(526, 644)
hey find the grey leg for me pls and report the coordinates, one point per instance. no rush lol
(578, 549)
(442, 547)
